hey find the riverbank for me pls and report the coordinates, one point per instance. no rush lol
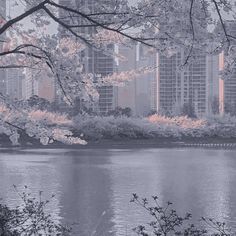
(161, 143)
(132, 143)
(155, 131)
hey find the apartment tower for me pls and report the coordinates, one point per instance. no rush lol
(196, 86)
(94, 61)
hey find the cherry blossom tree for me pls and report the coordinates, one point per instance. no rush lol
(164, 26)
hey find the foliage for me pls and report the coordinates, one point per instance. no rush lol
(188, 110)
(119, 111)
(44, 126)
(49, 127)
(50, 118)
(155, 126)
(38, 103)
(30, 218)
(94, 128)
(230, 108)
(166, 221)
(215, 106)
(166, 27)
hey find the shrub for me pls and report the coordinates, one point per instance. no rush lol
(155, 126)
(30, 218)
(165, 221)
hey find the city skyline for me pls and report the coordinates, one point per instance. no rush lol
(185, 88)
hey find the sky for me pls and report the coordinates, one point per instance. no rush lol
(14, 11)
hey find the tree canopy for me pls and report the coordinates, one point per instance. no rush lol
(205, 26)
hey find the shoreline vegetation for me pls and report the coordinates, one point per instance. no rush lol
(127, 132)
(84, 131)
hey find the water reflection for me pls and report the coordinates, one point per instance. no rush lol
(86, 192)
(21, 170)
(93, 187)
(197, 181)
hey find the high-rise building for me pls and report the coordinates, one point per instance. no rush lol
(146, 85)
(213, 88)
(196, 86)
(126, 95)
(139, 94)
(36, 84)
(30, 84)
(229, 94)
(14, 83)
(46, 88)
(94, 61)
(193, 88)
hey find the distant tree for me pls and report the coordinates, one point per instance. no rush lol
(188, 110)
(163, 112)
(38, 103)
(77, 107)
(152, 112)
(119, 111)
(55, 106)
(127, 111)
(230, 108)
(215, 106)
(81, 107)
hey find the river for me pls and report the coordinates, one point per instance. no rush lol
(93, 187)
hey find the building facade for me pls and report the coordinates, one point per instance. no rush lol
(195, 86)
(14, 83)
(229, 84)
(36, 84)
(30, 84)
(94, 61)
(126, 95)
(139, 94)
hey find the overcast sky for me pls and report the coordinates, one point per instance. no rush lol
(14, 11)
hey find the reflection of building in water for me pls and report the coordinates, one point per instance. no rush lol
(89, 182)
(86, 192)
(140, 94)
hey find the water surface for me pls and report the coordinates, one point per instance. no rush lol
(93, 187)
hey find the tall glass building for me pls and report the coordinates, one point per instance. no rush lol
(94, 61)
(230, 83)
(195, 86)
(139, 94)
